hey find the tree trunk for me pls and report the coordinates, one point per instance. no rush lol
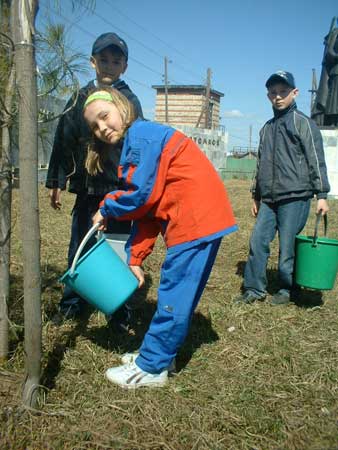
(5, 221)
(5, 191)
(28, 162)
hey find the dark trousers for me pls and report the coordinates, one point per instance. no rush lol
(288, 218)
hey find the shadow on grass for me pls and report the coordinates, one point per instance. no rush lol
(200, 332)
(103, 336)
(308, 298)
(49, 281)
(113, 339)
(302, 297)
(56, 355)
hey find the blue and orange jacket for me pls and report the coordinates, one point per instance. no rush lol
(169, 187)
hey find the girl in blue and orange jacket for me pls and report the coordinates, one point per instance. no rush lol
(169, 187)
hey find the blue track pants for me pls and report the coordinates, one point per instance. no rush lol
(184, 275)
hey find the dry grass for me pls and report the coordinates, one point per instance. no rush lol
(251, 377)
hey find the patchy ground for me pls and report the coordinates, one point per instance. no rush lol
(249, 377)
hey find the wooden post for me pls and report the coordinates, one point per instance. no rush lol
(250, 141)
(313, 90)
(166, 89)
(205, 107)
(207, 99)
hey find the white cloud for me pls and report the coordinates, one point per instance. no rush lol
(233, 113)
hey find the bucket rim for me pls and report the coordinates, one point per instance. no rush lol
(320, 240)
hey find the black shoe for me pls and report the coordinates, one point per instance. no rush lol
(248, 298)
(121, 319)
(280, 299)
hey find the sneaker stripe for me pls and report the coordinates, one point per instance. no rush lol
(135, 378)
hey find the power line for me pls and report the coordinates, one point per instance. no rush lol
(242, 138)
(138, 82)
(132, 38)
(125, 76)
(156, 37)
(94, 37)
(73, 23)
(128, 35)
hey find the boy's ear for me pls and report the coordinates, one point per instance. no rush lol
(92, 62)
(295, 92)
(125, 66)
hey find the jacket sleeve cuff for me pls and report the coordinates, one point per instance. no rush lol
(321, 196)
(134, 261)
(52, 184)
(256, 197)
(103, 210)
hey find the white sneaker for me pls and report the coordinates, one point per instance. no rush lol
(128, 358)
(130, 376)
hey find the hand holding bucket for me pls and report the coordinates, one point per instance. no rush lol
(100, 276)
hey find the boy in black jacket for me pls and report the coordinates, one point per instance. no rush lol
(290, 171)
(67, 162)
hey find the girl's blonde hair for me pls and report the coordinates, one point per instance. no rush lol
(98, 151)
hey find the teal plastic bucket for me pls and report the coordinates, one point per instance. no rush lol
(100, 276)
(316, 261)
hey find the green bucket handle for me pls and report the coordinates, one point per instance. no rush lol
(315, 235)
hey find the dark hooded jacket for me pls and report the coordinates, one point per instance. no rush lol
(291, 162)
(69, 151)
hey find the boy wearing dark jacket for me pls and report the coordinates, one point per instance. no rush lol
(67, 162)
(290, 170)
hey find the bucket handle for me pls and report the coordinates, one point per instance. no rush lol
(315, 235)
(81, 246)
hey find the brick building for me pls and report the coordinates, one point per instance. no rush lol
(187, 106)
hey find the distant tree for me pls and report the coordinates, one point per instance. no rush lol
(6, 119)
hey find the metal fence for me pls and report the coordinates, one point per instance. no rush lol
(238, 168)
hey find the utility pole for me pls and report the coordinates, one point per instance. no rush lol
(250, 140)
(313, 90)
(205, 108)
(207, 99)
(166, 89)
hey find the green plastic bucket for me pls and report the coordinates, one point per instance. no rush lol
(316, 260)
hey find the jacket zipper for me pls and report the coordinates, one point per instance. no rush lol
(273, 161)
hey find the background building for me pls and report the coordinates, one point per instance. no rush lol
(192, 105)
(195, 110)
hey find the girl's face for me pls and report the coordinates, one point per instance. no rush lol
(104, 120)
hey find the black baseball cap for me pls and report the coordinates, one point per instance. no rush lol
(106, 40)
(281, 77)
